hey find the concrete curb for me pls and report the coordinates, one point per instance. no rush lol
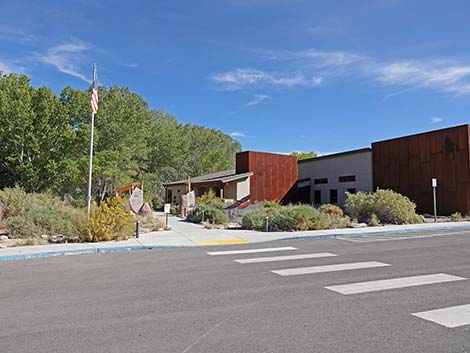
(96, 249)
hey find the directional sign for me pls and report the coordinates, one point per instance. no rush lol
(167, 208)
(136, 200)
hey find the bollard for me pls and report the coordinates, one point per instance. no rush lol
(202, 216)
(137, 229)
(267, 224)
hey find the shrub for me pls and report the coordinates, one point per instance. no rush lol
(157, 203)
(389, 207)
(374, 220)
(175, 209)
(271, 204)
(293, 217)
(29, 215)
(254, 220)
(212, 214)
(299, 217)
(456, 217)
(211, 199)
(331, 209)
(109, 221)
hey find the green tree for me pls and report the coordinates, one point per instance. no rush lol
(304, 155)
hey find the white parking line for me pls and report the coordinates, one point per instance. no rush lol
(372, 238)
(329, 268)
(373, 286)
(284, 258)
(453, 316)
(250, 251)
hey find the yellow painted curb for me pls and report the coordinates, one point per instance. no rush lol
(221, 242)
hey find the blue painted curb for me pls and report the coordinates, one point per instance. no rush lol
(149, 247)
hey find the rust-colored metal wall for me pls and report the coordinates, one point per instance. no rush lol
(274, 175)
(407, 165)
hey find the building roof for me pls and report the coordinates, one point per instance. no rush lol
(334, 155)
(223, 177)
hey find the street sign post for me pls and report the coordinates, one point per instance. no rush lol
(434, 186)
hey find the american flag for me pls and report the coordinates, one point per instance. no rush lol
(94, 93)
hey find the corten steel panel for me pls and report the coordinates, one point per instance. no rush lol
(274, 175)
(407, 165)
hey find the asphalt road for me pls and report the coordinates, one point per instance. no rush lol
(184, 300)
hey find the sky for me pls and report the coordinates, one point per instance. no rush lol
(278, 75)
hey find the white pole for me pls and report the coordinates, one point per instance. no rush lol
(90, 168)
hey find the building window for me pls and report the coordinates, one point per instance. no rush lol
(352, 191)
(347, 178)
(320, 181)
(317, 196)
(333, 196)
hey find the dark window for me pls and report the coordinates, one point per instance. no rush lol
(333, 196)
(169, 196)
(347, 178)
(317, 196)
(320, 181)
(304, 194)
(352, 191)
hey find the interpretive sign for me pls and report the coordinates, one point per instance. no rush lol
(136, 200)
(191, 197)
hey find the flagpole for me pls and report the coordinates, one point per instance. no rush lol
(90, 168)
(90, 163)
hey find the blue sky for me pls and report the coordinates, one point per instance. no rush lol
(279, 75)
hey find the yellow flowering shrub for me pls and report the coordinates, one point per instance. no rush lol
(110, 221)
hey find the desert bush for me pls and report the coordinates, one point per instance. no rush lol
(331, 209)
(210, 199)
(374, 220)
(29, 215)
(175, 209)
(294, 217)
(456, 217)
(254, 220)
(109, 221)
(271, 204)
(212, 214)
(299, 217)
(389, 207)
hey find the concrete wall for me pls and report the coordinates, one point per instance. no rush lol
(357, 163)
(176, 191)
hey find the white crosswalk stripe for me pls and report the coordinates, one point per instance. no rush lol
(393, 283)
(329, 268)
(451, 317)
(251, 251)
(284, 258)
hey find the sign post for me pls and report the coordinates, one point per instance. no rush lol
(434, 186)
(167, 210)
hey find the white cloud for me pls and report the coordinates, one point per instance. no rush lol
(312, 67)
(243, 77)
(436, 119)
(257, 98)
(440, 75)
(66, 58)
(237, 134)
(7, 67)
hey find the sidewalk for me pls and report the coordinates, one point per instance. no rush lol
(184, 234)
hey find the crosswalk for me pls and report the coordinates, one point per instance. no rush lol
(450, 317)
